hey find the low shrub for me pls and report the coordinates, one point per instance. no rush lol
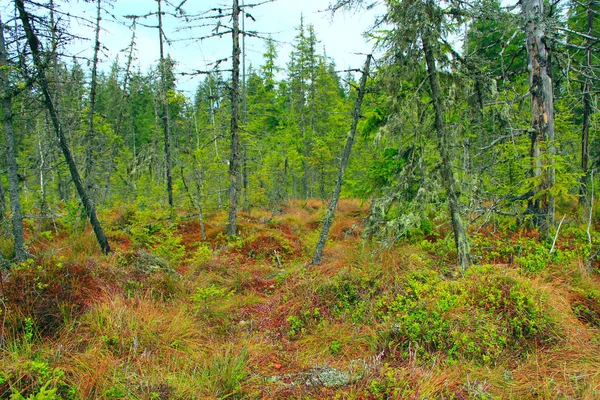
(487, 315)
(585, 304)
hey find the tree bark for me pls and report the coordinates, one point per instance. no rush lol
(542, 114)
(587, 107)
(42, 80)
(234, 160)
(460, 236)
(165, 109)
(2, 203)
(345, 157)
(11, 153)
(89, 137)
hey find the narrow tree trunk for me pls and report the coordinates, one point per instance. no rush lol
(2, 203)
(587, 107)
(90, 138)
(11, 152)
(234, 161)
(345, 157)
(42, 179)
(460, 237)
(54, 116)
(165, 109)
(542, 114)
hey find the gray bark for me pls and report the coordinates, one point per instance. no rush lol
(2, 203)
(542, 114)
(460, 236)
(234, 160)
(587, 107)
(165, 109)
(42, 81)
(11, 153)
(90, 137)
(344, 163)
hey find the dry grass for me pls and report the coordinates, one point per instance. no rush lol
(247, 317)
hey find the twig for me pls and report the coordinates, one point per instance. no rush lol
(588, 261)
(556, 236)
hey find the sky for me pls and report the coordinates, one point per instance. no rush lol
(340, 36)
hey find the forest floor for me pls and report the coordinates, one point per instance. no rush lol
(172, 315)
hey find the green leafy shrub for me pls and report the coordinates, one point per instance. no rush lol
(481, 317)
(35, 380)
(586, 306)
(349, 295)
(531, 255)
(299, 324)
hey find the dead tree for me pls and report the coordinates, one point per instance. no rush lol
(234, 160)
(42, 81)
(542, 150)
(345, 157)
(165, 107)
(90, 137)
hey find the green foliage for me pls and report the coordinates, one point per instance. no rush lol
(35, 380)
(205, 297)
(350, 296)
(299, 324)
(152, 230)
(296, 325)
(224, 374)
(335, 347)
(586, 305)
(488, 315)
(201, 255)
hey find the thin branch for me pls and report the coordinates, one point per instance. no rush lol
(556, 236)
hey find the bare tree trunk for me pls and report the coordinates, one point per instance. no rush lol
(165, 108)
(90, 138)
(345, 157)
(460, 236)
(587, 107)
(2, 203)
(542, 113)
(54, 116)
(234, 161)
(42, 177)
(11, 152)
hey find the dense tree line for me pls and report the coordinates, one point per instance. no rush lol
(476, 108)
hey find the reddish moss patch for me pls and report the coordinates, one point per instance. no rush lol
(269, 245)
(47, 292)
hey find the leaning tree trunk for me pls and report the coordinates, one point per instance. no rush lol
(542, 115)
(234, 160)
(11, 153)
(345, 157)
(42, 80)
(448, 181)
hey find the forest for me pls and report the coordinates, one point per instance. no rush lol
(424, 225)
